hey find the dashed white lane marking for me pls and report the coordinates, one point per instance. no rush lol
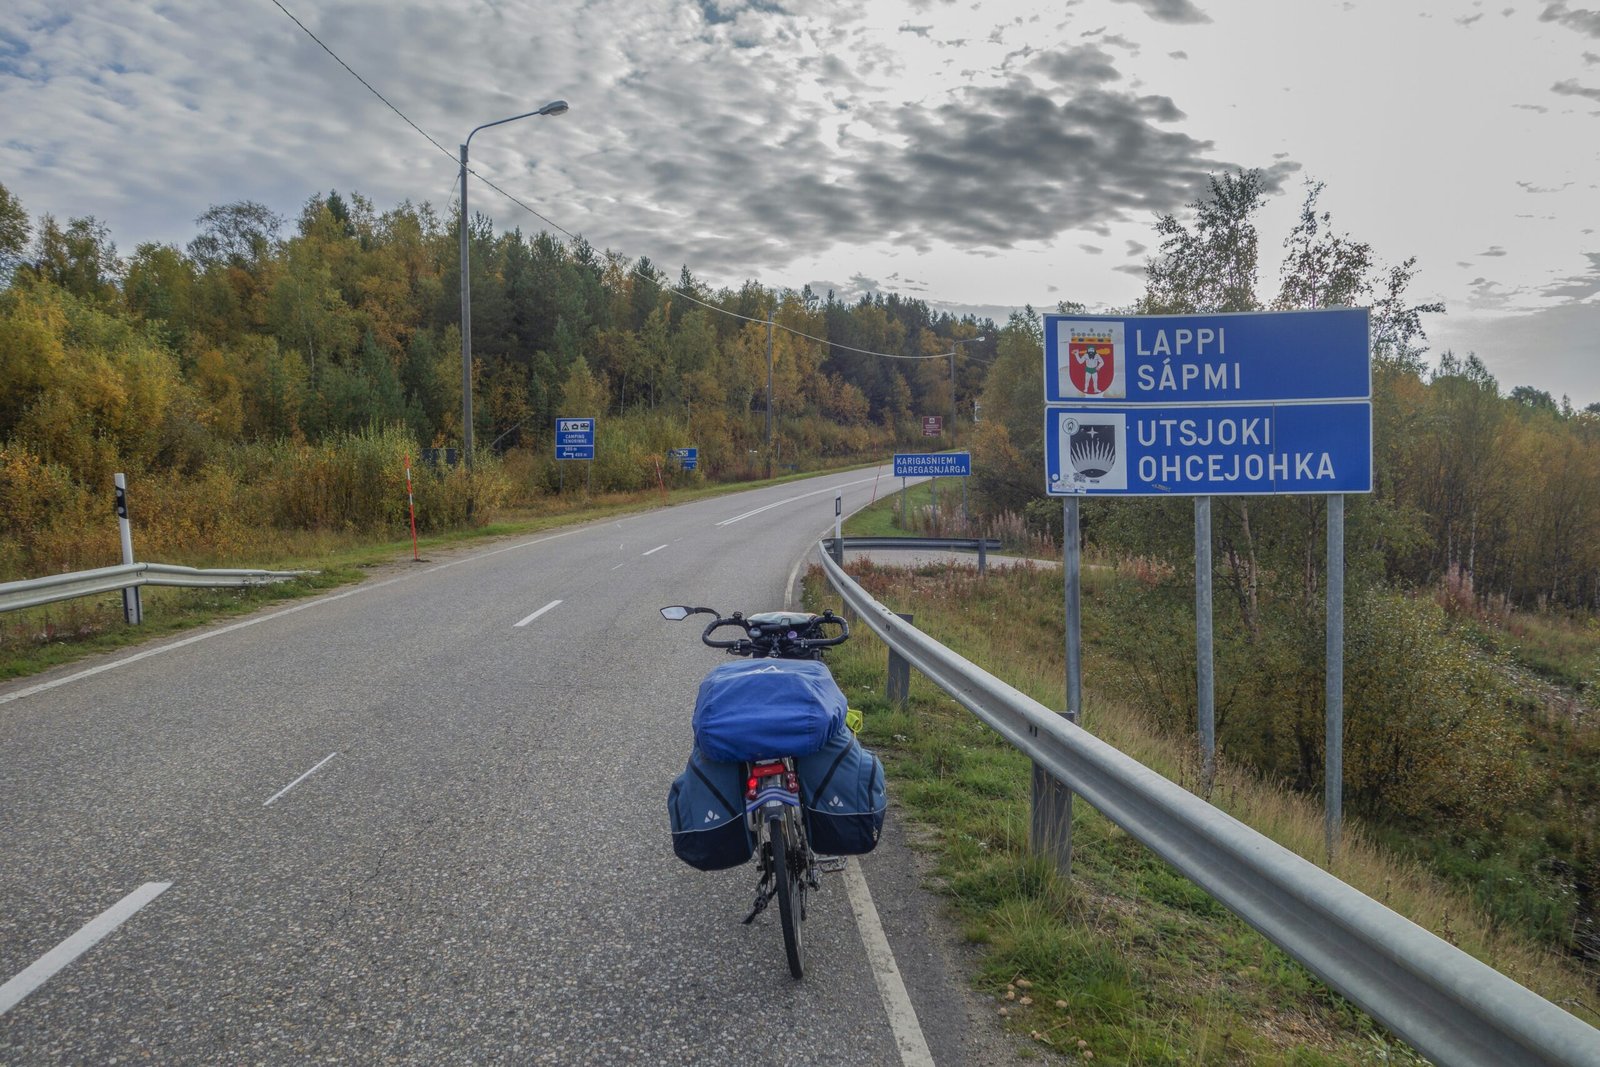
(536, 614)
(654, 550)
(302, 778)
(41, 971)
(791, 500)
(908, 1037)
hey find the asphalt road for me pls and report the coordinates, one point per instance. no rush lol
(477, 868)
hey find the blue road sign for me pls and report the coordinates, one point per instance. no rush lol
(1209, 451)
(686, 458)
(1207, 359)
(932, 464)
(574, 438)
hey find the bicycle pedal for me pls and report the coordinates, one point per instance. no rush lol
(830, 864)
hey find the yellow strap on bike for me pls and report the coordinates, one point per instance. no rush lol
(852, 719)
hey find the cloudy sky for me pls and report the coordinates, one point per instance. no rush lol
(977, 155)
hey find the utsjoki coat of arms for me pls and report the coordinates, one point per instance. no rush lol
(1092, 355)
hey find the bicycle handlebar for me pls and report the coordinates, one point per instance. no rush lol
(776, 637)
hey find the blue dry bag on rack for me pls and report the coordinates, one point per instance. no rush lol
(767, 708)
(706, 806)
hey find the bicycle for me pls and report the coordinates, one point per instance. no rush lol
(788, 867)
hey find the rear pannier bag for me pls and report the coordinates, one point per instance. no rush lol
(706, 806)
(767, 708)
(843, 796)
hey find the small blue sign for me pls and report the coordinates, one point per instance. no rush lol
(686, 458)
(1209, 451)
(1207, 359)
(932, 464)
(575, 439)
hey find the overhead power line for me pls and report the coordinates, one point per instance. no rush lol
(572, 236)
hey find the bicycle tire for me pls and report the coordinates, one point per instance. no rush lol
(788, 887)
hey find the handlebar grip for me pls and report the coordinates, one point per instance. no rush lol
(838, 639)
(706, 638)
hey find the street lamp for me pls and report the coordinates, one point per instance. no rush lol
(952, 354)
(555, 107)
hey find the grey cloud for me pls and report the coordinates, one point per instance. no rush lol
(1590, 59)
(1570, 87)
(1493, 250)
(1137, 249)
(920, 31)
(1578, 286)
(1539, 108)
(1532, 188)
(1178, 55)
(1586, 22)
(1469, 20)
(1093, 250)
(1179, 11)
(1135, 270)
(1486, 295)
(1075, 66)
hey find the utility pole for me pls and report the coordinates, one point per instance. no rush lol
(770, 313)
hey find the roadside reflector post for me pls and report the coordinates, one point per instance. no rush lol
(132, 606)
(899, 688)
(411, 502)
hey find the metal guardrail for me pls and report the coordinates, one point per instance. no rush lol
(1446, 1004)
(981, 545)
(32, 592)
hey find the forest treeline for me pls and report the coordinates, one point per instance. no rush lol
(265, 355)
(286, 367)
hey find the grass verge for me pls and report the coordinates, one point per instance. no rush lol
(1128, 961)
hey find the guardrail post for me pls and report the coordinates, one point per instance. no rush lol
(899, 687)
(1050, 834)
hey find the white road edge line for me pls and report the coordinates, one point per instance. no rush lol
(302, 778)
(46, 966)
(914, 1051)
(654, 550)
(913, 1046)
(536, 614)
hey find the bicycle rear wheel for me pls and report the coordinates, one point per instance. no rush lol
(786, 867)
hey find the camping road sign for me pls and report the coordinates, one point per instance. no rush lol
(575, 439)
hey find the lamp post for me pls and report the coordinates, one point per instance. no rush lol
(555, 107)
(952, 354)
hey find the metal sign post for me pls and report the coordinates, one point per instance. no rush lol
(1205, 686)
(1333, 770)
(1050, 830)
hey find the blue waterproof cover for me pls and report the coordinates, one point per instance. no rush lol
(843, 795)
(766, 708)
